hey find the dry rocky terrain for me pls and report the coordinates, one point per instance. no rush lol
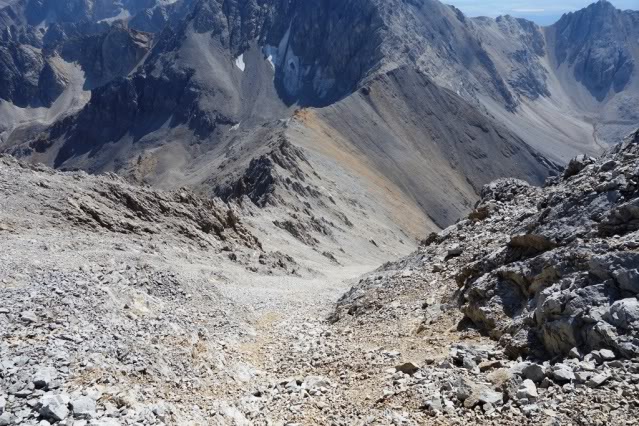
(126, 305)
(196, 197)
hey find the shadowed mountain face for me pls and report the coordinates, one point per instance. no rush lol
(36, 12)
(598, 44)
(33, 77)
(409, 95)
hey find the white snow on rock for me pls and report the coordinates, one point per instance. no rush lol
(239, 62)
(270, 52)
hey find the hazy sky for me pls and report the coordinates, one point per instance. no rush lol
(542, 11)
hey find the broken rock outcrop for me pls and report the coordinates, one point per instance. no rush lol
(547, 272)
(568, 276)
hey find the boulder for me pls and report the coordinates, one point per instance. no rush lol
(624, 314)
(562, 373)
(43, 377)
(54, 407)
(597, 380)
(83, 407)
(534, 372)
(407, 368)
(527, 391)
(576, 165)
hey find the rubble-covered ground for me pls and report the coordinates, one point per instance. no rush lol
(126, 305)
(110, 311)
(543, 282)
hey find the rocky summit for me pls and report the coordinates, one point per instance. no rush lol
(354, 212)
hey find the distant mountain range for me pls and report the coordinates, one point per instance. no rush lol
(407, 103)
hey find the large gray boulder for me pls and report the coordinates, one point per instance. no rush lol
(54, 407)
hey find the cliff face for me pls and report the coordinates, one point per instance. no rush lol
(30, 60)
(597, 43)
(26, 78)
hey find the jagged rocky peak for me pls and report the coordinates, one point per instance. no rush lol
(598, 42)
(323, 51)
(522, 46)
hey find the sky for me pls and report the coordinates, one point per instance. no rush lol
(544, 12)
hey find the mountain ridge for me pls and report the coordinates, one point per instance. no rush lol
(219, 73)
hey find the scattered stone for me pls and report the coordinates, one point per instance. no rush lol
(485, 395)
(434, 403)
(6, 419)
(597, 380)
(582, 376)
(472, 394)
(83, 407)
(500, 377)
(562, 373)
(316, 382)
(54, 407)
(534, 372)
(469, 363)
(407, 368)
(454, 251)
(29, 316)
(43, 377)
(489, 365)
(574, 354)
(527, 390)
(605, 355)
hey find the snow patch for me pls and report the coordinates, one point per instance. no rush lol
(293, 71)
(122, 15)
(270, 52)
(239, 62)
(291, 65)
(275, 54)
